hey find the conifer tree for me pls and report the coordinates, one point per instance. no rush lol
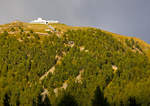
(67, 100)
(6, 100)
(46, 101)
(99, 99)
(132, 102)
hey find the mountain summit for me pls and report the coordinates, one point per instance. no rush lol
(60, 65)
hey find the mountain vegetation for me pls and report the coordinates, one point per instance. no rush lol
(71, 66)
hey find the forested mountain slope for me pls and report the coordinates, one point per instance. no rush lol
(71, 65)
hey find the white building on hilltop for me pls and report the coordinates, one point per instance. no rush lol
(41, 21)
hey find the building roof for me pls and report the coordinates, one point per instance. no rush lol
(41, 21)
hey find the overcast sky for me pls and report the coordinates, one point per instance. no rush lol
(127, 17)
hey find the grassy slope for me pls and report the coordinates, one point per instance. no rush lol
(63, 28)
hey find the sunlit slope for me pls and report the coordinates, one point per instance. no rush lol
(42, 28)
(145, 46)
(47, 64)
(62, 28)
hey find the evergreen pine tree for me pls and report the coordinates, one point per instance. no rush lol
(46, 102)
(132, 102)
(67, 100)
(99, 99)
(6, 100)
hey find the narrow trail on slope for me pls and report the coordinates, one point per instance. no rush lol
(44, 93)
(40, 33)
(51, 70)
(64, 86)
(51, 27)
(79, 77)
(54, 30)
(115, 68)
(46, 74)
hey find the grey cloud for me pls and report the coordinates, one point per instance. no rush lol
(127, 17)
